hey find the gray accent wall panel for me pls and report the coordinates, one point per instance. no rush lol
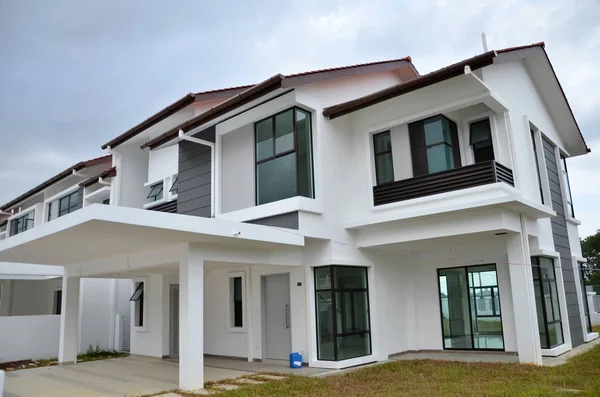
(561, 244)
(194, 185)
(287, 221)
(79, 198)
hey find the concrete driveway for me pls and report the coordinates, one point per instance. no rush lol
(129, 376)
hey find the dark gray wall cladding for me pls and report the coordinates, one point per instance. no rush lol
(170, 207)
(561, 243)
(288, 221)
(80, 198)
(194, 183)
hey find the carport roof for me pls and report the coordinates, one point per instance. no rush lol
(100, 231)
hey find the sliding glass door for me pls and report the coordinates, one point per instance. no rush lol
(470, 308)
(547, 304)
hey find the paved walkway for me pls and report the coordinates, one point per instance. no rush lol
(129, 376)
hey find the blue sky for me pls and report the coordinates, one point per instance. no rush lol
(74, 74)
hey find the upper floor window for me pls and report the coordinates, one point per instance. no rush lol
(68, 203)
(537, 165)
(384, 165)
(284, 156)
(23, 223)
(175, 186)
(567, 186)
(156, 192)
(434, 145)
(480, 136)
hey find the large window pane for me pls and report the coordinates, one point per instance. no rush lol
(264, 139)
(304, 152)
(348, 277)
(384, 168)
(344, 310)
(437, 130)
(455, 308)
(352, 346)
(284, 131)
(276, 179)
(382, 142)
(325, 333)
(440, 158)
(547, 302)
(323, 278)
(361, 311)
(555, 334)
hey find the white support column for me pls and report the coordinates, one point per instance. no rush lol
(191, 319)
(248, 306)
(69, 321)
(524, 306)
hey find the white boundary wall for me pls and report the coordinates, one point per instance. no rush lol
(25, 337)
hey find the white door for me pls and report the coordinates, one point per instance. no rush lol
(277, 318)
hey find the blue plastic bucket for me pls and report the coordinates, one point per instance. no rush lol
(295, 360)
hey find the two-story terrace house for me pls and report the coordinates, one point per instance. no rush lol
(31, 294)
(349, 214)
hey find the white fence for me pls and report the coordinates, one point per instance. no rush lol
(26, 337)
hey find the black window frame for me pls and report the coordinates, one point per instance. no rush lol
(376, 154)
(175, 186)
(537, 165)
(285, 153)
(469, 287)
(586, 306)
(71, 207)
(419, 146)
(489, 140)
(236, 305)
(106, 201)
(567, 185)
(21, 224)
(536, 268)
(153, 197)
(49, 212)
(333, 290)
(138, 298)
(57, 302)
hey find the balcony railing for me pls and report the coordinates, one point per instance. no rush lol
(441, 182)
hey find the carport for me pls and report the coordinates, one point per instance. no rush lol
(112, 241)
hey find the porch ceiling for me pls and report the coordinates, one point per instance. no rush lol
(101, 231)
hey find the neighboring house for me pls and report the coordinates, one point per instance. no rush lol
(349, 214)
(31, 294)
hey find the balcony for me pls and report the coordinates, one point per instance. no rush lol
(446, 181)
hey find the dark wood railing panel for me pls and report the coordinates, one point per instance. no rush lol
(441, 182)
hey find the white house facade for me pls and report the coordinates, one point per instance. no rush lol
(31, 294)
(348, 214)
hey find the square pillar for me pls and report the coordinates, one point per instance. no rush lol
(69, 321)
(524, 306)
(191, 319)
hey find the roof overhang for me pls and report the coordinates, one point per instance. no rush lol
(101, 231)
(536, 60)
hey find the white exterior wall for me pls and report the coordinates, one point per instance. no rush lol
(163, 163)
(148, 340)
(33, 297)
(127, 188)
(26, 340)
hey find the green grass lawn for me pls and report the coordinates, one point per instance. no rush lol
(439, 378)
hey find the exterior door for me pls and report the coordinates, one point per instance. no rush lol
(277, 316)
(174, 322)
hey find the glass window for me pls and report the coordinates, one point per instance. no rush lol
(584, 299)
(57, 304)
(481, 141)
(156, 192)
(68, 203)
(138, 298)
(23, 223)
(384, 164)
(567, 186)
(441, 147)
(537, 166)
(342, 309)
(175, 186)
(236, 302)
(284, 157)
(547, 303)
(49, 212)
(470, 305)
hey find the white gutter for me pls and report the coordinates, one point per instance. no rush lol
(211, 145)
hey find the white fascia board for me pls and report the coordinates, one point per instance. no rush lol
(183, 228)
(505, 195)
(29, 271)
(292, 204)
